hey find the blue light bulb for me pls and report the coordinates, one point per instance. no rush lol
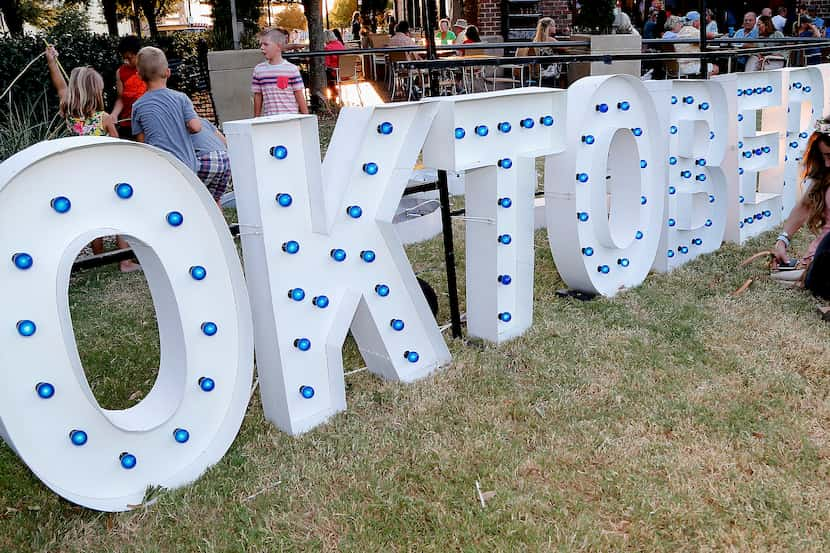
(759, 216)
(505, 279)
(672, 160)
(624, 106)
(672, 190)
(505, 202)
(768, 88)
(174, 218)
(588, 139)
(637, 131)
(740, 143)
(460, 133)
(747, 154)
(602, 108)
(284, 200)
(767, 213)
(291, 247)
(411, 356)
(370, 168)
(279, 152)
(674, 100)
(505, 316)
(128, 460)
(683, 249)
(124, 190)
(686, 174)
(505, 127)
(206, 384)
(704, 106)
(181, 435)
(61, 204)
(197, 272)
(740, 199)
(320, 301)
(766, 149)
(740, 117)
(302, 344)
(700, 177)
(582, 216)
(797, 85)
(807, 89)
(708, 222)
(582, 177)
(307, 392)
(22, 261)
(337, 254)
(604, 269)
(385, 128)
(623, 262)
(638, 235)
(701, 162)
(527, 123)
(711, 135)
(296, 294)
(643, 200)
(672, 222)
(546, 120)
(740, 170)
(209, 328)
(740, 92)
(26, 328)
(697, 241)
(588, 251)
(78, 437)
(482, 130)
(396, 324)
(673, 129)
(354, 211)
(505, 163)
(45, 390)
(367, 255)
(670, 253)
(643, 164)
(382, 290)
(688, 100)
(505, 239)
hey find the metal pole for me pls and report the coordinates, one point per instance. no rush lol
(234, 26)
(449, 254)
(429, 30)
(704, 65)
(326, 6)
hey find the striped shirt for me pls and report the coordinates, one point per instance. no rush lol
(277, 84)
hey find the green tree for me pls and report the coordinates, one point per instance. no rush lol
(291, 17)
(595, 16)
(340, 15)
(247, 13)
(17, 12)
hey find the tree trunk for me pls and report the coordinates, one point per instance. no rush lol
(316, 69)
(136, 18)
(111, 16)
(149, 9)
(11, 14)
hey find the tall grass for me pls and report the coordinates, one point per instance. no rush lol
(24, 124)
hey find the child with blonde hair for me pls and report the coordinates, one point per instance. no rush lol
(82, 106)
(276, 83)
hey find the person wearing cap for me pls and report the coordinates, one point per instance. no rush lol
(673, 26)
(806, 29)
(460, 28)
(691, 30)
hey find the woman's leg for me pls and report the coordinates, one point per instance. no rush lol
(818, 275)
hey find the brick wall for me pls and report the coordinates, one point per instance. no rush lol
(489, 15)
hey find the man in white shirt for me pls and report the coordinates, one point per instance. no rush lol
(780, 20)
(691, 30)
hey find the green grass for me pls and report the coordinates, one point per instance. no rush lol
(674, 417)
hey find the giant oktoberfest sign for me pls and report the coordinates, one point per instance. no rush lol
(636, 178)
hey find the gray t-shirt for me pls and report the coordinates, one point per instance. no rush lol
(162, 116)
(206, 140)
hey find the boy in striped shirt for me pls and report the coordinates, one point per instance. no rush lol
(276, 84)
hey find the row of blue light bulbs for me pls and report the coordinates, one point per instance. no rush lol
(27, 328)
(291, 247)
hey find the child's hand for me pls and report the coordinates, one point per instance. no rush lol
(51, 53)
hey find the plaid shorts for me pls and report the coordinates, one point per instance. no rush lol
(215, 172)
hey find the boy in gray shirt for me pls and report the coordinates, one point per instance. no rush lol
(212, 154)
(162, 117)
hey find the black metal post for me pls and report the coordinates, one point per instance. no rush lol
(704, 65)
(449, 254)
(431, 16)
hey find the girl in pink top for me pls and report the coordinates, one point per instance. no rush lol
(813, 210)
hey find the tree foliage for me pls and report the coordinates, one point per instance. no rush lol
(247, 12)
(340, 15)
(291, 17)
(595, 17)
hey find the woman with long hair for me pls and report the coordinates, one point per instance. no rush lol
(545, 32)
(813, 210)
